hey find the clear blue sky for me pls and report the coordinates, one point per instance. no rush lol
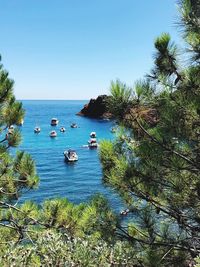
(72, 49)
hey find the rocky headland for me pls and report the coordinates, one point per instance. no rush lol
(96, 108)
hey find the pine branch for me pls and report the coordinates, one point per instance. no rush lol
(27, 216)
(165, 147)
(177, 215)
(176, 245)
(8, 226)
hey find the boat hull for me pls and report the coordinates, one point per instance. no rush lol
(52, 136)
(37, 130)
(93, 145)
(70, 159)
(54, 123)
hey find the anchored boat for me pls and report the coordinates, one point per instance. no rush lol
(53, 134)
(93, 135)
(92, 143)
(62, 129)
(74, 125)
(37, 129)
(70, 155)
(54, 121)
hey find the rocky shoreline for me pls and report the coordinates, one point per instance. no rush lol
(96, 108)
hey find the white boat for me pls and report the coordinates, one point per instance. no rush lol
(93, 135)
(74, 125)
(53, 134)
(92, 143)
(70, 155)
(54, 121)
(62, 129)
(124, 212)
(37, 129)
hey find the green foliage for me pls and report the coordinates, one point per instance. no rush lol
(12, 112)
(53, 249)
(143, 91)
(155, 167)
(165, 59)
(107, 155)
(189, 21)
(17, 173)
(197, 262)
(94, 218)
(121, 98)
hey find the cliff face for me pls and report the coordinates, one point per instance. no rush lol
(96, 108)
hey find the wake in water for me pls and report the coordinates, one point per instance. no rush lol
(87, 146)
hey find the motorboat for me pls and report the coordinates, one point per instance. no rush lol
(62, 129)
(74, 125)
(93, 135)
(124, 212)
(92, 143)
(53, 134)
(37, 129)
(54, 121)
(70, 155)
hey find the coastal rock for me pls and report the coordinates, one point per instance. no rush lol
(96, 108)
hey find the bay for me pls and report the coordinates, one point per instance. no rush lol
(78, 181)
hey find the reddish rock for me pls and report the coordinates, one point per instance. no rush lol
(96, 108)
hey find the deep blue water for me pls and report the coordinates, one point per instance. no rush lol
(78, 181)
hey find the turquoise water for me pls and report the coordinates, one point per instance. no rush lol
(76, 181)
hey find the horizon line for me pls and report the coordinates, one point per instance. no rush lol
(31, 99)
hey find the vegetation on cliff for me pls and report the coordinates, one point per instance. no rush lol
(154, 165)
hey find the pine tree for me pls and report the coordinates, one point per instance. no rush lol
(155, 163)
(16, 173)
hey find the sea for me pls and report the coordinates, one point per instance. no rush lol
(78, 181)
